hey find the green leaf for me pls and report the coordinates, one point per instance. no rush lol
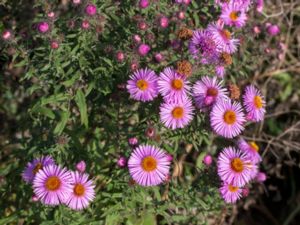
(44, 111)
(62, 123)
(149, 219)
(81, 103)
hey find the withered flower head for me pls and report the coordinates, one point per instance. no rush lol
(234, 91)
(185, 33)
(226, 58)
(184, 67)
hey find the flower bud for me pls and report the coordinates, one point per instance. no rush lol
(43, 27)
(143, 49)
(207, 160)
(90, 10)
(122, 161)
(81, 166)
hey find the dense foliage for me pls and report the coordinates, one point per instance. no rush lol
(66, 96)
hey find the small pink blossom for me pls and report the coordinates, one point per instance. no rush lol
(143, 49)
(43, 27)
(207, 160)
(81, 166)
(122, 161)
(143, 4)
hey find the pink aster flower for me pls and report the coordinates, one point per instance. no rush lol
(82, 191)
(227, 119)
(148, 165)
(33, 167)
(208, 91)
(52, 185)
(254, 104)
(230, 193)
(176, 114)
(234, 167)
(203, 47)
(234, 15)
(172, 85)
(250, 148)
(142, 85)
(223, 38)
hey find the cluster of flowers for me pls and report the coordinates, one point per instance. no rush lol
(237, 166)
(214, 46)
(54, 185)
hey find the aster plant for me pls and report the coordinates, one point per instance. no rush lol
(129, 103)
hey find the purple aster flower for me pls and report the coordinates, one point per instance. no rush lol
(250, 148)
(149, 165)
(33, 167)
(230, 193)
(82, 191)
(234, 15)
(234, 167)
(227, 118)
(203, 47)
(172, 85)
(254, 104)
(142, 85)
(52, 185)
(207, 91)
(223, 38)
(176, 114)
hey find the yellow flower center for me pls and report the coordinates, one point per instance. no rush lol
(254, 146)
(177, 112)
(258, 102)
(229, 117)
(37, 167)
(53, 183)
(79, 189)
(226, 34)
(237, 165)
(234, 15)
(212, 92)
(142, 85)
(177, 84)
(149, 163)
(232, 188)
